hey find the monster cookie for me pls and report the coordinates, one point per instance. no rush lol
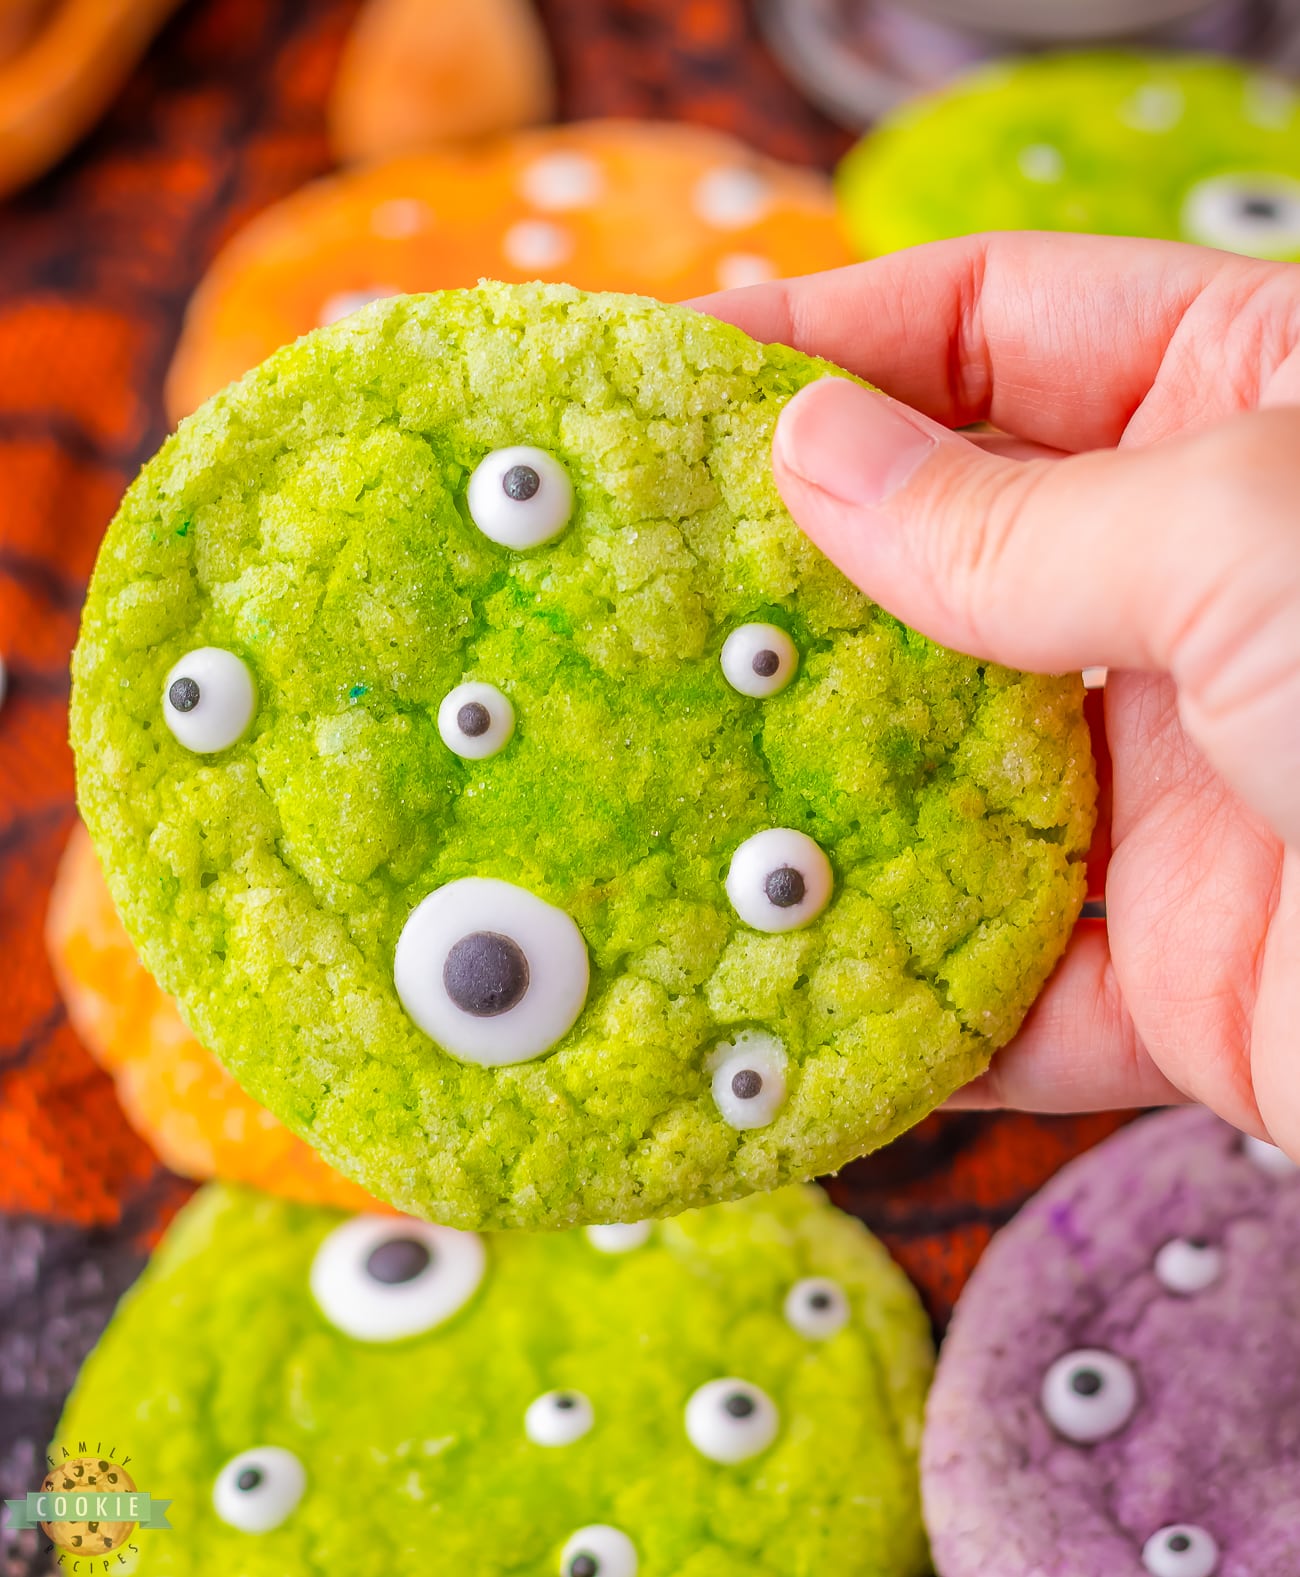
(497, 987)
(736, 1393)
(176, 1095)
(1053, 143)
(669, 211)
(1119, 1391)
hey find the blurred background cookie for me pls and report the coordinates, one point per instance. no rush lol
(659, 210)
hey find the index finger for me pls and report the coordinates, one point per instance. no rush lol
(1060, 339)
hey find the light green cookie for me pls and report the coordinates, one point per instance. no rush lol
(714, 877)
(734, 1393)
(1174, 147)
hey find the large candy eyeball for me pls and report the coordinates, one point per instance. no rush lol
(731, 1420)
(1089, 1395)
(258, 1489)
(619, 1237)
(1188, 1265)
(749, 1082)
(490, 971)
(209, 700)
(1181, 1550)
(1255, 214)
(817, 1307)
(599, 1551)
(475, 720)
(558, 1418)
(759, 659)
(1268, 1157)
(520, 497)
(779, 880)
(380, 1278)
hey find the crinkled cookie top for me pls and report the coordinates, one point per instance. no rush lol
(421, 777)
(733, 1393)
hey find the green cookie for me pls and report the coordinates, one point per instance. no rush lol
(1175, 147)
(423, 777)
(734, 1393)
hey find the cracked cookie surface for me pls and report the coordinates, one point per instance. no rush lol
(306, 553)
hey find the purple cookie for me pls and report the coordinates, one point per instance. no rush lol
(1119, 1393)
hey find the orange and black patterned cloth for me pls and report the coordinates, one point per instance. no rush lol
(96, 264)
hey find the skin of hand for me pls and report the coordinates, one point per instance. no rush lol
(1147, 518)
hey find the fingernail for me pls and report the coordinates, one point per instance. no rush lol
(857, 446)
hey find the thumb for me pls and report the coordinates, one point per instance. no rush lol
(1181, 557)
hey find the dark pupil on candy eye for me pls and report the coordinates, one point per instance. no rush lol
(473, 719)
(746, 1084)
(183, 694)
(584, 1566)
(398, 1260)
(820, 1300)
(765, 663)
(1179, 1543)
(520, 483)
(739, 1405)
(1085, 1382)
(1199, 1244)
(1260, 208)
(485, 974)
(784, 887)
(250, 1478)
(565, 1402)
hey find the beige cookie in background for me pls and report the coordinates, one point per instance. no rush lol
(669, 211)
(420, 73)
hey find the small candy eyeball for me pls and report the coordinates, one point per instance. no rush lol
(1041, 163)
(599, 1551)
(1267, 1157)
(1181, 1550)
(492, 973)
(1188, 1265)
(558, 1418)
(381, 1278)
(779, 880)
(257, 1490)
(1089, 1395)
(731, 1420)
(749, 1082)
(520, 497)
(1258, 215)
(759, 659)
(209, 700)
(619, 1237)
(475, 720)
(817, 1307)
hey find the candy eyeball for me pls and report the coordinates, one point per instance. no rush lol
(1258, 215)
(382, 1278)
(749, 1083)
(257, 1490)
(520, 497)
(1188, 1265)
(759, 659)
(475, 720)
(1089, 1395)
(209, 700)
(779, 880)
(558, 1418)
(492, 973)
(1269, 1158)
(599, 1551)
(731, 1420)
(1041, 163)
(1181, 1550)
(619, 1237)
(817, 1307)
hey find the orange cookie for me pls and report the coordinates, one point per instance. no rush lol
(178, 1097)
(654, 209)
(418, 73)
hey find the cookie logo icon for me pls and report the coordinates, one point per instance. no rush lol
(91, 1478)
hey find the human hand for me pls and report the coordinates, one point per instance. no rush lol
(1149, 521)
